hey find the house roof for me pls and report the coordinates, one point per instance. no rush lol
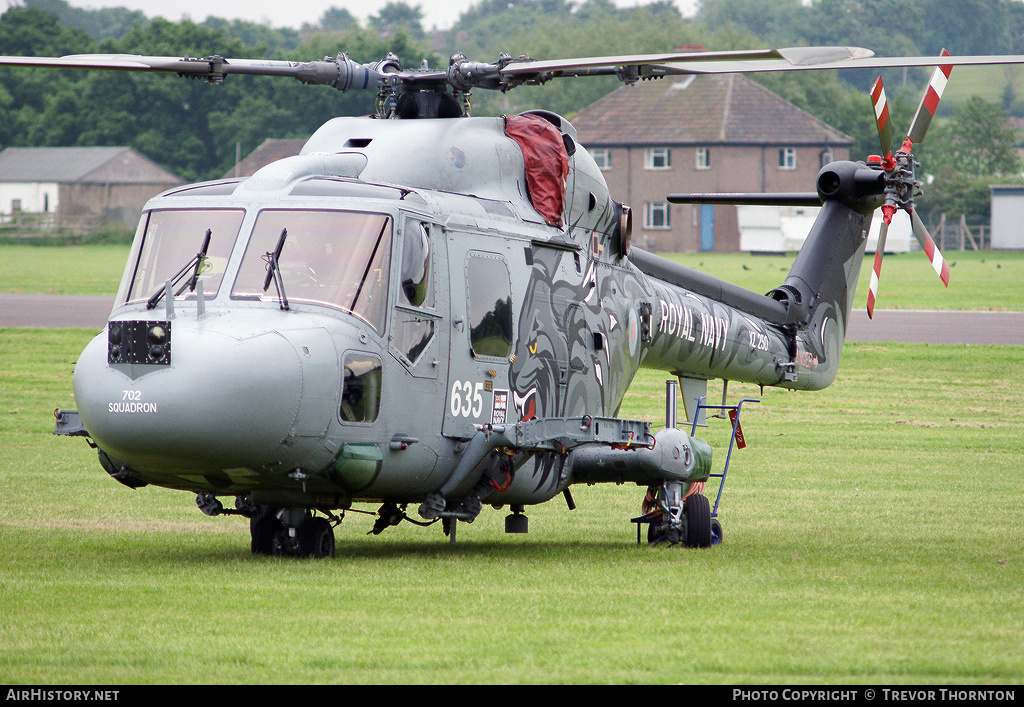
(82, 165)
(271, 150)
(702, 109)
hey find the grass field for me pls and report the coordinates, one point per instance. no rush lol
(988, 82)
(872, 535)
(978, 280)
(72, 270)
(990, 280)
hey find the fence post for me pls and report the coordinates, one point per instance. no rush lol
(970, 236)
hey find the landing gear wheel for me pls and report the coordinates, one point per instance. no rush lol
(697, 511)
(316, 538)
(265, 530)
(654, 533)
(660, 532)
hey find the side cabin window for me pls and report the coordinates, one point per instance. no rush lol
(361, 387)
(169, 239)
(337, 258)
(413, 329)
(417, 288)
(489, 295)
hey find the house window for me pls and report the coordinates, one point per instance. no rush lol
(703, 158)
(826, 156)
(657, 158)
(603, 157)
(787, 158)
(656, 215)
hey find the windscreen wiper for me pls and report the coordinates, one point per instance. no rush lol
(195, 264)
(369, 266)
(274, 270)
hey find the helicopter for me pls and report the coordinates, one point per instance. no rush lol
(433, 312)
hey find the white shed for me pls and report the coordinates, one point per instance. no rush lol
(1007, 217)
(782, 229)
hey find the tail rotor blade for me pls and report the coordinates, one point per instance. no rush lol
(876, 272)
(929, 247)
(882, 116)
(900, 175)
(926, 111)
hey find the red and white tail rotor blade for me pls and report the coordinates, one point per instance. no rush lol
(929, 247)
(900, 178)
(876, 272)
(881, 106)
(926, 111)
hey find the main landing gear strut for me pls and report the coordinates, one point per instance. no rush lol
(678, 512)
(292, 531)
(279, 531)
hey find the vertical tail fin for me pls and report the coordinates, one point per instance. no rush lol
(824, 275)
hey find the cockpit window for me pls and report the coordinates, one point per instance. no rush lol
(170, 239)
(338, 258)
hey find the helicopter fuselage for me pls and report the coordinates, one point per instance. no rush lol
(361, 312)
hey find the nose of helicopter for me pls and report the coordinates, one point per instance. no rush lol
(227, 399)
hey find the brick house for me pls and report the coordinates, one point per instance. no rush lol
(713, 133)
(270, 150)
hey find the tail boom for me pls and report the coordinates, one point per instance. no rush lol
(791, 337)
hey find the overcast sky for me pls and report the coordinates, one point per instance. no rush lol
(293, 13)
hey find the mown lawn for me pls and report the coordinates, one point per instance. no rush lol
(872, 535)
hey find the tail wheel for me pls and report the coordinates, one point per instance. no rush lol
(697, 511)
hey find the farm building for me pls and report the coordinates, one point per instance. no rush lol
(78, 188)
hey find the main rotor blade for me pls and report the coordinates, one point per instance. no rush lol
(656, 64)
(776, 65)
(344, 74)
(929, 247)
(930, 101)
(341, 72)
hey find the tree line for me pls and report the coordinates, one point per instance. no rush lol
(192, 128)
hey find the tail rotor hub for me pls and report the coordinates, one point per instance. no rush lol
(901, 182)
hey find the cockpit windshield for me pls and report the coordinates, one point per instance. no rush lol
(338, 258)
(171, 238)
